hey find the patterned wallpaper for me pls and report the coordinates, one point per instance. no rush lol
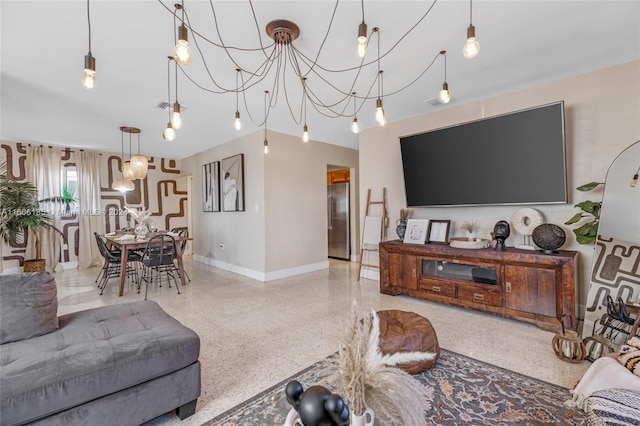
(163, 192)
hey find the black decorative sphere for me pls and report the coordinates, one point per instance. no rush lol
(549, 237)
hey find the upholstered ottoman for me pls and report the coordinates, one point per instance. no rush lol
(402, 331)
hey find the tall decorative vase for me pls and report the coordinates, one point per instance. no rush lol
(365, 419)
(141, 230)
(401, 227)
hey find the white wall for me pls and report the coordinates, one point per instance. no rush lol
(601, 113)
(283, 230)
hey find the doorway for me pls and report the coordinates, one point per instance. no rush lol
(338, 212)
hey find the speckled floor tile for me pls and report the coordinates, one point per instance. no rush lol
(255, 334)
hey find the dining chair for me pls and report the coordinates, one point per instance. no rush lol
(158, 256)
(183, 245)
(112, 263)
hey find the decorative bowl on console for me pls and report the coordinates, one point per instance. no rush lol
(465, 243)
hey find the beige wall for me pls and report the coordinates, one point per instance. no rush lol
(242, 233)
(296, 199)
(601, 113)
(283, 229)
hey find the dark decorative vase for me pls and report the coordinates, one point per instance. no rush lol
(548, 237)
(501, 232)
(401, 228)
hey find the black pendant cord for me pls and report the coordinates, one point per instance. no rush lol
(169, 86)
(89, 22)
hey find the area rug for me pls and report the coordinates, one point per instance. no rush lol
(462, 391)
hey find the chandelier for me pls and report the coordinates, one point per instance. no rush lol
(282, 58)
(134, 168)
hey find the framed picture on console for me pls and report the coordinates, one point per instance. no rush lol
(438, 232)
(416, 231)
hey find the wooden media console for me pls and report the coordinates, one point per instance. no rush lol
(526, 285)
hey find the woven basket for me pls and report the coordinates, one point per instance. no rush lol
(37, 265)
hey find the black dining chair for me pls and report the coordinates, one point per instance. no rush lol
(112, 263)
(183, 245)
(158, 256)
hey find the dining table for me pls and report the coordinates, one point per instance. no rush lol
(126, 243)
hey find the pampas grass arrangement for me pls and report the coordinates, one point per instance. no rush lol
(370, 379)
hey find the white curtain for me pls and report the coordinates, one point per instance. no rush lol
(43, 171)
(89, 217)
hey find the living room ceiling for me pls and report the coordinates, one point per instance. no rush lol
(523, 43)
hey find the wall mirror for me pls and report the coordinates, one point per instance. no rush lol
(615, 270)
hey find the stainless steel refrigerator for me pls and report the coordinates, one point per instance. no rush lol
(338, 220)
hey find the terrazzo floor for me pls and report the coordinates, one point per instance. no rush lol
(254, 334)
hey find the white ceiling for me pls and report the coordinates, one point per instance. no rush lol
(523, 43)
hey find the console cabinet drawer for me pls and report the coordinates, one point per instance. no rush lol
(482, 296)
(444, 289)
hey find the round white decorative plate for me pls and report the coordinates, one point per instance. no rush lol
(521, 217)
(478, 243)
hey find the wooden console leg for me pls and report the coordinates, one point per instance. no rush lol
(186, 410)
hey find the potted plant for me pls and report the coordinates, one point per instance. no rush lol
(588, 231)
(20, 213)
(67, 197)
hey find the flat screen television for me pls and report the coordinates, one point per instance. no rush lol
(515, 158)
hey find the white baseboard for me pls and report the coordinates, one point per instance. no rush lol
(355, 258)
(258, 275)
(370, 273)
(69, 265)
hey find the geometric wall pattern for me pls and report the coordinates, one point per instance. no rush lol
(616, 273)
(162, 192)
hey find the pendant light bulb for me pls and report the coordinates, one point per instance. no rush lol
(176, 117)
(305, 134)
(238, 123)
(266, 147)
(444, 96)
(182, 51)
(89, 76)
(362, 39)
(354, 126)
(634, 181)
(169, 134)
(471, 47)
(380, 115)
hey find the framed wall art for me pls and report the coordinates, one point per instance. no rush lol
(232, 179)
(438, 232)
(211, 187)
(416, 231)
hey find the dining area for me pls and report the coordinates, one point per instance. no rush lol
(149, 258)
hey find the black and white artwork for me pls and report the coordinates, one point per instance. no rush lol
(232, 176)
(211, 187)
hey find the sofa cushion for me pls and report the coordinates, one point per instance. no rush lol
(95, 353)
(28, 306)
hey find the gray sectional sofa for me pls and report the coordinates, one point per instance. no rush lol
(116, 365)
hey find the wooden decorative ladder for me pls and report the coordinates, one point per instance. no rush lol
(374, 229)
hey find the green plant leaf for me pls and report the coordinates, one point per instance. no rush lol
(574, 219)
(582, 239)
(590, 228)
(589, 186)
(591, 207)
